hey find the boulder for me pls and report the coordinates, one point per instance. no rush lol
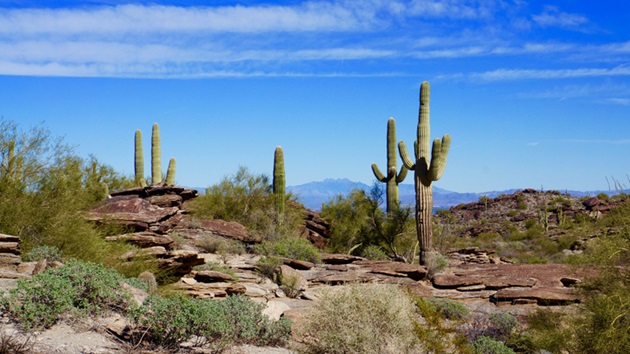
(275, 309)
(292, 278)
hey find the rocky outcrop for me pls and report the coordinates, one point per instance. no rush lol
(216, 228)
(156, 208)
(316, 229)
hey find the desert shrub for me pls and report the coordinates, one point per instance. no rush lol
(436, 262)
(45, 187)
(450, 309)
(247, 199)
(218, 267)
(12, 343)
(169, 321)
(437, 334)
(49, 253)
(487, 345)
(79, 287)
(497, 326)
(368, 318)
(217, 244)
(268, 267)
(374, 253)
(521, 206)
(294, 248)
(357, 221)
(602, 322)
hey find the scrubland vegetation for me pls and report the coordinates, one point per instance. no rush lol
(45, 187)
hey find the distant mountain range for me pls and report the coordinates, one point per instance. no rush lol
(313, 194)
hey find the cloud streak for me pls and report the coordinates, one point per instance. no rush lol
(306, 38)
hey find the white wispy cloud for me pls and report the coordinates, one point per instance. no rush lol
(138, 19)
(136, 40)
(553, 17)
(521, 74)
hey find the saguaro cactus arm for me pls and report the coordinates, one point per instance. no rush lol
(439, 152)
(170, 173)
(379, 175)
(404, 155)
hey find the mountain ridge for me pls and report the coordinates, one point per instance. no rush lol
(314, 194)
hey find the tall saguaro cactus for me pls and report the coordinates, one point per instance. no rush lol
(392, 178)
(279, 182)
(156, 158)
(139, 160)
(428, 167)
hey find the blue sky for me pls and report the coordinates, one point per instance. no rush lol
(533, 93)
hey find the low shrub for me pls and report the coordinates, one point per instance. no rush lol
(450, 309)
(368, 318)
(487, 345)
(79, 287)
(294, 248)
(435, 264)
(49, 253)
(169, 321)
(268, 267)
(374, 253)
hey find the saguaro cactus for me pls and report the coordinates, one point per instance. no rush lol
(392, 178)
(139, 160)
(156, 158)
(428, 167)
(279, 182)
(170, 173)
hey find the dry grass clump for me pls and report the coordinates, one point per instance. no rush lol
(367, 318)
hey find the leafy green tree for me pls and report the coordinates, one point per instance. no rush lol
(358, 221)
(42, 197)
(248, 199)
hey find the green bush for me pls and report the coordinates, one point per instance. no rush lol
(450, 309)
(78, 287)
(374, 253)
(367, 318)
(169, 321)
(358, 220)
(435, 264)
(248, 199)
(49, 253)
(294, 248)
(487, 345)
(45, 187)
(268, 267)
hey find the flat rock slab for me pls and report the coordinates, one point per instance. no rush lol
(129, 210)
(144, 239)
(340, 258)
(210, 276)
(499, 276)
(222, 228)
(412, 271)
(542, 295)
